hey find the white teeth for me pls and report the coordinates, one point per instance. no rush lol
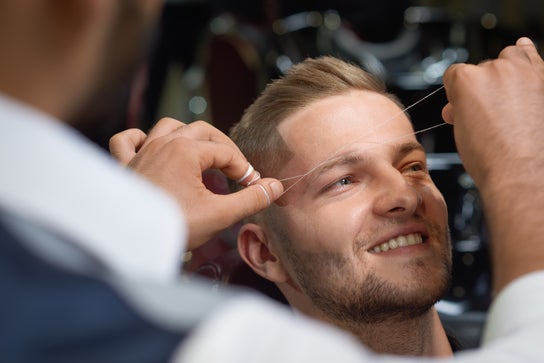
(401, 241)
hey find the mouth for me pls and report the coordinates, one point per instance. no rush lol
(397, 242)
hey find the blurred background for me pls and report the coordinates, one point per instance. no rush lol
(210, 59)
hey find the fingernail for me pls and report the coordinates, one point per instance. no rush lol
(524, 41)
(277, 188)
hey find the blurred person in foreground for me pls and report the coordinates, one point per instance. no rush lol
(79, 234)
(89, 251)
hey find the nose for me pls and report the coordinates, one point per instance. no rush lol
(396, 196)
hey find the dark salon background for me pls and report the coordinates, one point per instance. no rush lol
(210, 59)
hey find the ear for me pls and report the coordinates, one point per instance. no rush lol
(254, 248)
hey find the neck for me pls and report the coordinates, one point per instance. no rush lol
(420, 336)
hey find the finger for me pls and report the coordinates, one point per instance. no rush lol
(449, 75)
(447, 114)
(204, 155)
(524, 49)
(525, 41)
(125, 144)
(202, 130)
(528, 47)
(531, 52)
(199, 131)
(250, 200)
(452, 74)
(163, 127)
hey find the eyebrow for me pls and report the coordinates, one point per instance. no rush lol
(348, 158)
(406, 148)
(355, 157)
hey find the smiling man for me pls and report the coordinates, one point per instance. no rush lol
(360, 239)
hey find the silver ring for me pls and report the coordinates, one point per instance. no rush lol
(248, 173)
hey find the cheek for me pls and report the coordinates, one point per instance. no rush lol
(328, 228)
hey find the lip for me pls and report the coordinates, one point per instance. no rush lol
(402, 231)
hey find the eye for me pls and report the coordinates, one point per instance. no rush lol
(415, 168)
(339, 184)
(344, 181)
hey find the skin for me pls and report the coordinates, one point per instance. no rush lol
(373, 187)
(196, 147)
(63, 57)
(496, 109)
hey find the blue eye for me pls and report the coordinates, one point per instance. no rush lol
(415, 168)
(339, 184)
(344, 181)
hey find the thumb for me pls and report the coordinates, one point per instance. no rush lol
(531, 52)
(447, 114)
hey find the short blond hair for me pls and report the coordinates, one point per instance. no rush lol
(309, 81)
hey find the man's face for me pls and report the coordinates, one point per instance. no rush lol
(365, 234)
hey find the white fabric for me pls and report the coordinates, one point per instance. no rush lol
(253, 330)
(54, 177)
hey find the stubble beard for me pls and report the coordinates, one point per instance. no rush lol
(332, 285)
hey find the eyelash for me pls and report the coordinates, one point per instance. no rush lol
(421, 167)
(337, 184)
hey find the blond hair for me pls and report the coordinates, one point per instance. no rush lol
(309, 81)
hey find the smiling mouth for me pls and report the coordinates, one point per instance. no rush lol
(400, 241)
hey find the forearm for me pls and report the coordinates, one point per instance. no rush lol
(514, 205)
(497, 111)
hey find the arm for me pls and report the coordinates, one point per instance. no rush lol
(497, 109)
(174, 155)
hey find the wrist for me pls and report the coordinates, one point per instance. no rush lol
(512, 205)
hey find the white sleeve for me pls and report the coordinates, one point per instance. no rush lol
(519, 305)
(253, 330)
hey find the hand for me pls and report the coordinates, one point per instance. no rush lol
(497, 108)
(174, 155)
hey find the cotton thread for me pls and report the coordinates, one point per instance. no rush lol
(302, 176)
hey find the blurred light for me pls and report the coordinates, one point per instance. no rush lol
(465, 181)
(314, 19)
(222, 24)
(198, 105)
(489, 21)
(418, 14)
(283, 63)
(332, 20)
(471, 244)
(468, 259)
(459, 291)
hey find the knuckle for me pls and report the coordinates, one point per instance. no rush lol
(200, 124)
(509, 52)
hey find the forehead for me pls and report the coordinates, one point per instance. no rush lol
(363, 118)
